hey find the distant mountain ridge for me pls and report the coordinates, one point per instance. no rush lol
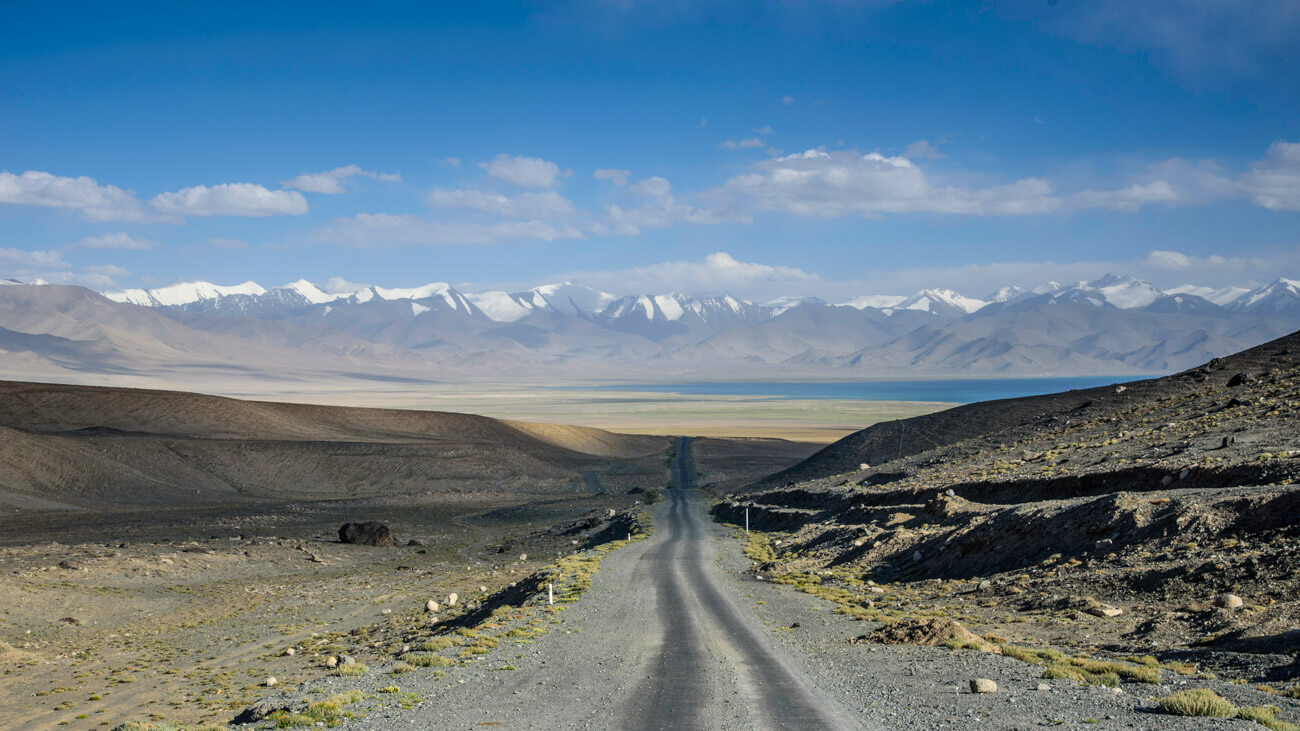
(1111, 325)
(577, 299)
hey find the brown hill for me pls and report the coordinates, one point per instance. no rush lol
(84, 446)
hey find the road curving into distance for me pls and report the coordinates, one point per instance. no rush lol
(662, 640)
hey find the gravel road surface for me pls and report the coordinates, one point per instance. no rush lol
(676, 634)
(660, 641)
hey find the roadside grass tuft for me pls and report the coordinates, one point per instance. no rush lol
(354, 670)
(1265, 716)
(759, 548)
(1090, 672)
(1197, 702)
(328, 712)
(439, 643)
(426, 660)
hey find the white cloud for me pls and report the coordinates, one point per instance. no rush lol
(615, 175)
(716, 273)
(1129, 199)
(107, 270)
(704, 122)
(117, 241)
(50, 267)
(826, 184)
(94, 201)
(653, 187)
(527, 172)
(831, 184)
(787, 100)
(763, 131)
(659, 208)
(331, 181)
(230, 199)
(546, 204)
(741, 144)
(366, 229)
(1168, 260)
(922, 149)
(20, 259)
(1274, 182)
(453, 161)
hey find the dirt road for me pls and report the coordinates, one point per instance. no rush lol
(659, 642)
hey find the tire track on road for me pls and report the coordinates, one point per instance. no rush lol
(696, 614)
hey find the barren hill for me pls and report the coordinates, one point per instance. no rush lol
(84, 446)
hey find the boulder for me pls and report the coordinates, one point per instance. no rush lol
(1241, 379)
(369, 533)
(261, 709)
(1228, 601)
(983, 685)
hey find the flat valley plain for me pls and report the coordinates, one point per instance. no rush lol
(624, 411)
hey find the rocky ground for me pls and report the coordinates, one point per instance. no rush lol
(188, 623)
(1154, 521)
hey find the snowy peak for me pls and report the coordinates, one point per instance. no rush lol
(571, 298)
(780, 305)
(1006, 294)
(1222, 296)
(309, 292)
(183, 293)
(940, 302)
(1282, 296)
(1125, 293)
(875, 301)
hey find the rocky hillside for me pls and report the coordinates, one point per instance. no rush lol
(1157, 517)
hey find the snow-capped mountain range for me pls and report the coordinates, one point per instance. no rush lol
(1112, 325)
(575, 299)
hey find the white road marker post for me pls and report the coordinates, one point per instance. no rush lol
(746, 521)
(550, 594)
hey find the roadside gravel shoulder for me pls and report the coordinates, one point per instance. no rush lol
(909, 687)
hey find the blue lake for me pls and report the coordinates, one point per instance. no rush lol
(961, 390)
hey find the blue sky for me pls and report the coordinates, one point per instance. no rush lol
(831, 148)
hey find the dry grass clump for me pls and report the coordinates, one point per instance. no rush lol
(758, 548)
(1205, 702)
(426, 660)
(328, 712)
(1182, 668)
(354, 670)
(1086, 671)
(1197, 702)
(439, 643)
(1265, 716)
